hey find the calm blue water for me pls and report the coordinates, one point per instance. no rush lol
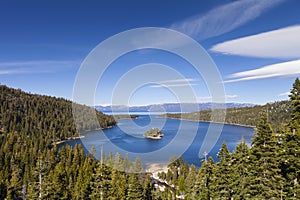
(127, 139)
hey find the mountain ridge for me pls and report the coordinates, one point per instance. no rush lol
(170, 107)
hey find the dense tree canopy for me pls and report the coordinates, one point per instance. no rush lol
(31, 167)
(278, 115)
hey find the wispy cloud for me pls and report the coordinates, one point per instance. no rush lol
(178, 80)
(14, 71)
(285, 69)
(284, 94)
(175, 83)
(40, 66)
(209, 98)
(281, 43)
(234, 96)
(224, 18)
(172, 85)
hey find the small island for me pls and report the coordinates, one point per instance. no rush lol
(154, 134)
(125, 116)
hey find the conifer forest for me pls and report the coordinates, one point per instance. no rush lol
(32, 167)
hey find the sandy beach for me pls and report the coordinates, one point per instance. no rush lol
(156, 168)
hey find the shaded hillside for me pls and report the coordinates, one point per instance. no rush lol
(278, 114)
(50, 117)
(32, 168)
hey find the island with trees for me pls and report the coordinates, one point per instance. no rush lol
(154, 134)
(126, 116)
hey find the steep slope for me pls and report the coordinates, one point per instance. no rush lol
(29, 163)
(44, 115)
(278, 114)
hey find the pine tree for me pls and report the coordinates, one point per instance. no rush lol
(118, 185)
(190, 180)
(101, 182)
(96, 187)
(265, 180)
(36, 185)
(240, 170)
(138, 165)
(56, 183)
(291, 146)
(15, 181)
(135, 189)
(181, 185)
(148, 188)
(295, 99)
(203, 188)
(223, 175)
(119, 162)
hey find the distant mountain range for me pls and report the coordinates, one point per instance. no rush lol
(169, 107)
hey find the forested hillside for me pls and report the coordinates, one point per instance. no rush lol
(278, 114)
(44, 116)
(269, 169)
(32, 168)
(29, 124)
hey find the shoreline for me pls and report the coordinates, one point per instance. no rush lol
(232, 124)
(78, 137)
(68, 139)
(156, 168)
(153, 138)
(125, 117)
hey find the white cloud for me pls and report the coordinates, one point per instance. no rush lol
(40, 66)
(5, 72)
(285, 69)
(281, 43)
(205, 98)
(234, 96)
(284, 94)
(209, 98)
(178, 80)
(224, 18)
(175, 83)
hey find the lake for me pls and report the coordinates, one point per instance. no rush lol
(127, 139)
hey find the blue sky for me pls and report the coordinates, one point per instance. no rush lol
(254, 43)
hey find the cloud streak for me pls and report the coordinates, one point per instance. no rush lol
(284, 94)
(209, 98)
(285, 69)
(179, 80)
(172, 85)
(175, 83)
(40, 66)
(225, 18)
(281, 43)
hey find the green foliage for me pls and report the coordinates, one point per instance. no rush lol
(265, 180)
(223, 175)
(294, 123)
(28, 115)
(118, 185)
(32, 168)
(290, 151)
(154, 133)
(240, 169)
(270, 169)
(135, 189)
(203, 188)
(148, 193)
(278, 115)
